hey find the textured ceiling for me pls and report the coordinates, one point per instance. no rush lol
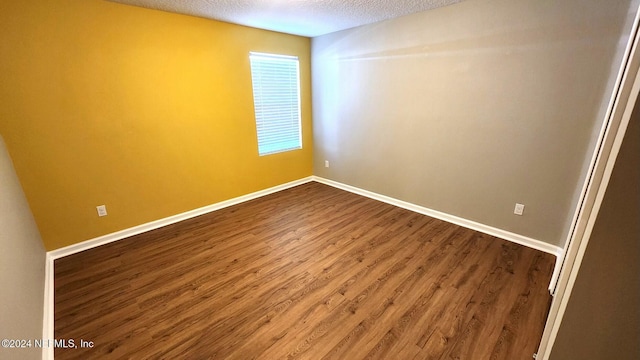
(299, 17)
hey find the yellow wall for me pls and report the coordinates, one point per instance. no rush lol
(148, 112)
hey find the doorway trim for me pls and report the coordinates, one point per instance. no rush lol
(612, 133)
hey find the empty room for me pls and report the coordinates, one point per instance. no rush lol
(290, 179)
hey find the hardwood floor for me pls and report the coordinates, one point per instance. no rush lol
(311, 272)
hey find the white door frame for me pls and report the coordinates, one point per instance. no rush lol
(610, 139)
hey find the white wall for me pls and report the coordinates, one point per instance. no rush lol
(22, 261)
(470, 108)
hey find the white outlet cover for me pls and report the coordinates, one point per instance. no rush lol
(102, 210)
(519, 209)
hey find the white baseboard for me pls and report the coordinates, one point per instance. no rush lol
(139, 229)
(502, 234)
(48, 313)
(556, 270)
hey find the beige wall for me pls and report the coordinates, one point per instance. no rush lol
(602, 320)
(22, 259)
(470, 108)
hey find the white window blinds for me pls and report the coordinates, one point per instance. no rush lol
(276, 99)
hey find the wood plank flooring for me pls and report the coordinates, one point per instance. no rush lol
(311, 272)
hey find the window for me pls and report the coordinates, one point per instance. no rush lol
(276, 99)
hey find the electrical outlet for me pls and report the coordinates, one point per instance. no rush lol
(326, 163)
(519, 209)
(102, 210)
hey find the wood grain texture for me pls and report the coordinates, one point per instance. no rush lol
(311, 272)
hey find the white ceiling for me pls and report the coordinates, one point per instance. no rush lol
(300, 17)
